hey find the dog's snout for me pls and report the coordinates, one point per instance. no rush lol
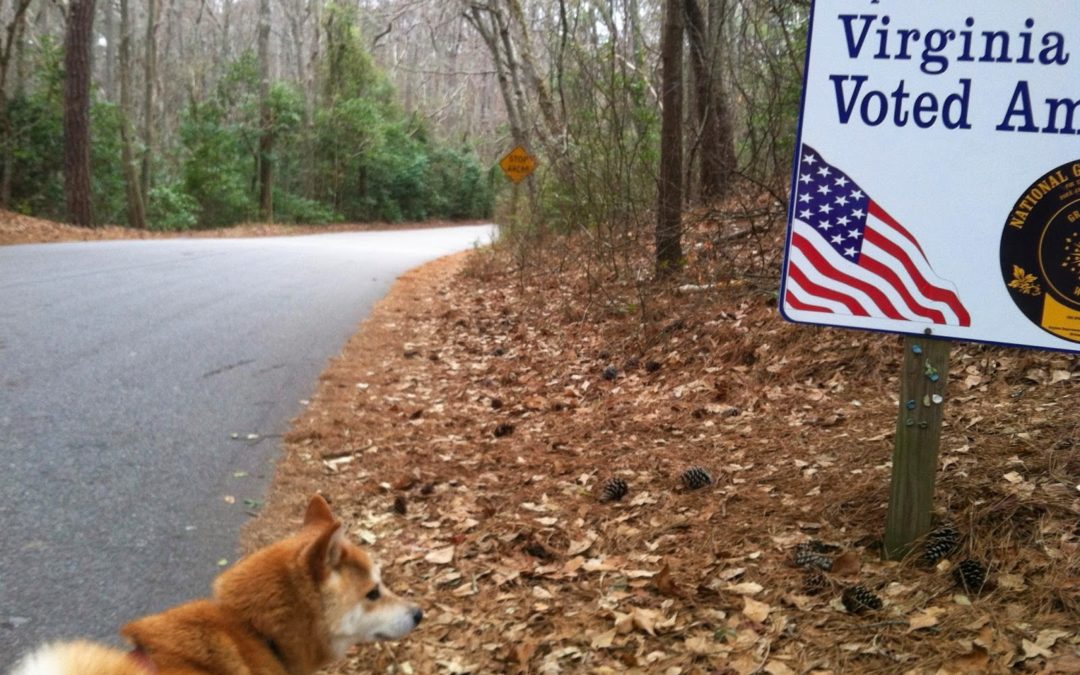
(417, 616)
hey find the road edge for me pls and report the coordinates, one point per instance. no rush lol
(296, 473)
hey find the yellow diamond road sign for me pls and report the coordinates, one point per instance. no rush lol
(518, 164)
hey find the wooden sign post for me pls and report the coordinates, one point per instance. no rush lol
(918, 434)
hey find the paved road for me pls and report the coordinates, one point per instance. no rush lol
(125, 368)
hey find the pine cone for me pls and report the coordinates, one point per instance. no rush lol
(696, 477)
(970, 575)
(614, 489)
(814, 582)
(807, 557)
(936, 549)
(941, 542)
(859, 599)
(818, 546)
(945, 532)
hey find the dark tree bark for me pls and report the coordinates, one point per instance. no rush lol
(266, 138)
(110, 51)
(725, 118)
(135, 206)
(669, 204)
(149, 78)
(715, 135)
(77, 46)
(12, 36)
(482, 20)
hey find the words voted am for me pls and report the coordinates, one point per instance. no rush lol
(936, 181)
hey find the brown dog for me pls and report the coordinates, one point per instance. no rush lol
(287, 609)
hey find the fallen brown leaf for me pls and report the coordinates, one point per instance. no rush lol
(846, 564)
(440, 556)
(925, 619)
(1067, 663)
(976, 661)
(521, 654)
(604, 640)
(665, 584)
(756, 611)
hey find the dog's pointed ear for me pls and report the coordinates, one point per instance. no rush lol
(324, 554)
(318, 512)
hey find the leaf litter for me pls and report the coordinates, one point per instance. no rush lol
(521, 568)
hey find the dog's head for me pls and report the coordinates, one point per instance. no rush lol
(357, 606)
(317, 578)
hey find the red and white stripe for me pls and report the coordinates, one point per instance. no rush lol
(890, 280)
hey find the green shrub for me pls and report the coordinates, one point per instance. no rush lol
(290, 208)
(457, 185)
(36, 115)
(170, 208)
(216, 166)
(107, 187)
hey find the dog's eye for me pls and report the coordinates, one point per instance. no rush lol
(373, 594)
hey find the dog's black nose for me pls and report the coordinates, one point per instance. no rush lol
(417, 615)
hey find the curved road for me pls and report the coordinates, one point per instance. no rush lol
(131, 376)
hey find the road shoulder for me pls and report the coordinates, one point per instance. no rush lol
(320, 440)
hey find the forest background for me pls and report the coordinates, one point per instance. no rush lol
(206, 113)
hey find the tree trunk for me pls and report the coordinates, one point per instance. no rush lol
(311, 97)
(226, 31)
(266, 138)
(553, 126)
(495, 32)
(488, 33)
(700, 93)
(110, 52)
(136, 211)
(632, 32)
(721, 155)
(21, 64)
(669, 204)
(510, 60)
(13, 33)
(714, 138)
(77, 45)
(149, 74)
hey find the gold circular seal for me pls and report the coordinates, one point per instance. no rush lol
(1040, 252)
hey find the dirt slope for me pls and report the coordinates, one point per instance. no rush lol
(465, 431)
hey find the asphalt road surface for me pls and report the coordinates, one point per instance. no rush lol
(131, 376)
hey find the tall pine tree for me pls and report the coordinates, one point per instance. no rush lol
(77, 46)
(669, 207)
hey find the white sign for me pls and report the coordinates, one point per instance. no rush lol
(936, 186)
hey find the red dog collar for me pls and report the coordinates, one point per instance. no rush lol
(139, 656)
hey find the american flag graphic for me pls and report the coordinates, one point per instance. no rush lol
(848, 256)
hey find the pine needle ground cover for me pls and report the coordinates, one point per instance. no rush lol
(470, 432)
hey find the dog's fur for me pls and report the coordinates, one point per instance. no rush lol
(287, 609)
